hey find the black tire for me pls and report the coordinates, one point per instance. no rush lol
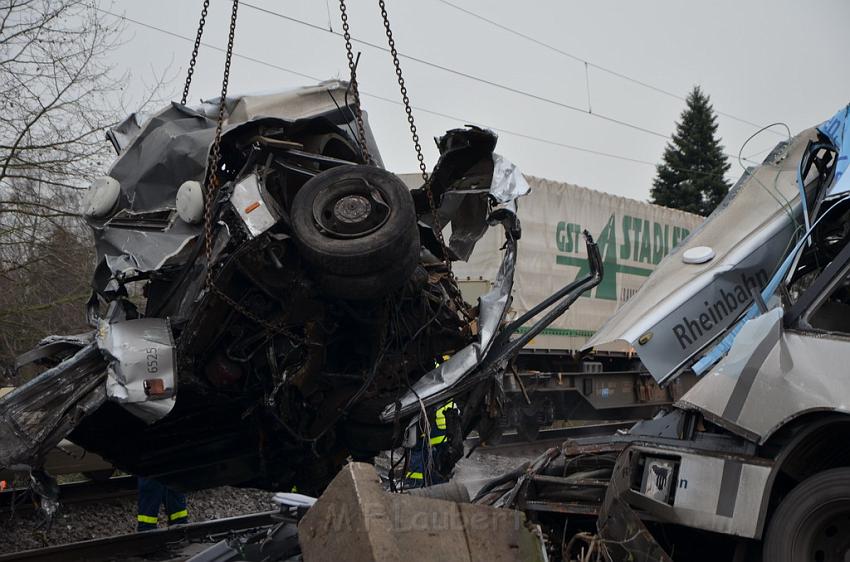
(813, 521)
(354, 254)
(373, 285)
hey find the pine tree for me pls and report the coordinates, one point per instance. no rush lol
(691, 174)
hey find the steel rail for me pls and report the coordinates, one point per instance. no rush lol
(140, 544)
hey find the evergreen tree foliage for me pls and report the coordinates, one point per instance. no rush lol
(691, 174)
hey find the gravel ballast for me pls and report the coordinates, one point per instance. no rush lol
(79, 522)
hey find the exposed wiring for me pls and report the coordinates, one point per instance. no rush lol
(721, 348)
(775, 191)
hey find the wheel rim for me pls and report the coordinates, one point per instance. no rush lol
(351, 208)
(824, 536)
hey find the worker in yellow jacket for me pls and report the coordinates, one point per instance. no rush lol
(422, 469)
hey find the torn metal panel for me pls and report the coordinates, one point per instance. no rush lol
(438, 382)
(462, 186)
(508, 182)
(141, 368)
(53, 347)
(330, 97)
(172, 147)
(467, 208)
(683, 307)
(169, 149)
(124, 132)
(772, 375)
(469, 212)
(127, 251)
(35, 417)
(627, 538)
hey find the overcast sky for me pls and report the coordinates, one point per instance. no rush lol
(760, 61)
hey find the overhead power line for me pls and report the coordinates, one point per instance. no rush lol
(475, 78)
(396, 102)
(577, 58)
(461, 73)
(207, 45)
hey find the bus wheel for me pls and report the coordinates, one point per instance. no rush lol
(812, 524)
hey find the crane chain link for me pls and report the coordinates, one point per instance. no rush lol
(438, 226)
(194, 58)
(213, 184)
(355, 89)
(215, 151)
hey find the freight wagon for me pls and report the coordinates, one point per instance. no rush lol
(552, 378)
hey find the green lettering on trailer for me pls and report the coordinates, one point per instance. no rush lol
(640, 244)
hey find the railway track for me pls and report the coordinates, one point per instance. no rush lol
(23, 499)
(514, 444)
(156, 542)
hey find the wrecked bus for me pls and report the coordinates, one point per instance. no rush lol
(756, 303)
(302, 313)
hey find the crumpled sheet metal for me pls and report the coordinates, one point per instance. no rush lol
(141, 372)
(508, 182)
(326, 97)
(122, 134)
(52, 346)
(467, 209)
(675, 315)
(36, 416)
(492, 306)
(770, 376)
(506, 187)
(172, 147)
(460, 185)
(129, 252)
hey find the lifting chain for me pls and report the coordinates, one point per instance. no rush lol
(355, 90)
(213, 164)
(407, 109)
(213, 183)
(194, 58)
(438, 225)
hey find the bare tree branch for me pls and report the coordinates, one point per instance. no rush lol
(58, 96)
